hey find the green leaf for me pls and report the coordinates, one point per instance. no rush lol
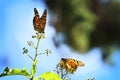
(35, 79)
(15, 71)
(49, 76)
(6, 70)
(33, 70)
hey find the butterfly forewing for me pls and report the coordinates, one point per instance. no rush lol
(43, 19)
(72, 62)
(36, 12)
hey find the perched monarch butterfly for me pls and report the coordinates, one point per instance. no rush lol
(70, 65)
(39, 22)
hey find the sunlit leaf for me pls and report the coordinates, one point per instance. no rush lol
(49, 76)
(15, 71)
(35, 79)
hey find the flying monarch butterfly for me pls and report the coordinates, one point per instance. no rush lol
(70, 65)
(39, 22)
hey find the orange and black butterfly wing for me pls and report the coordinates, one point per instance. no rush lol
(72, 63)
(36, 19)
(42, 21)
(36, 12)
(39, 23)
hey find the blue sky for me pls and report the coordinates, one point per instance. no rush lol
(16, 29)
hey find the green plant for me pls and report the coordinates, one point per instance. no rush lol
(30, 74)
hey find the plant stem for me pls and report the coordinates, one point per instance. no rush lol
(31, 78)
(36, 49)
(30, 57)
(36, 54)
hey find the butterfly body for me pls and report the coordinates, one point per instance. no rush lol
(39, 22)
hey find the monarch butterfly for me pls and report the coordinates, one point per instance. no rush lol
(39, 22)
(70, 65)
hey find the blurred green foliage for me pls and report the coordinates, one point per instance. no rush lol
(87, 23)
(75, 20)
